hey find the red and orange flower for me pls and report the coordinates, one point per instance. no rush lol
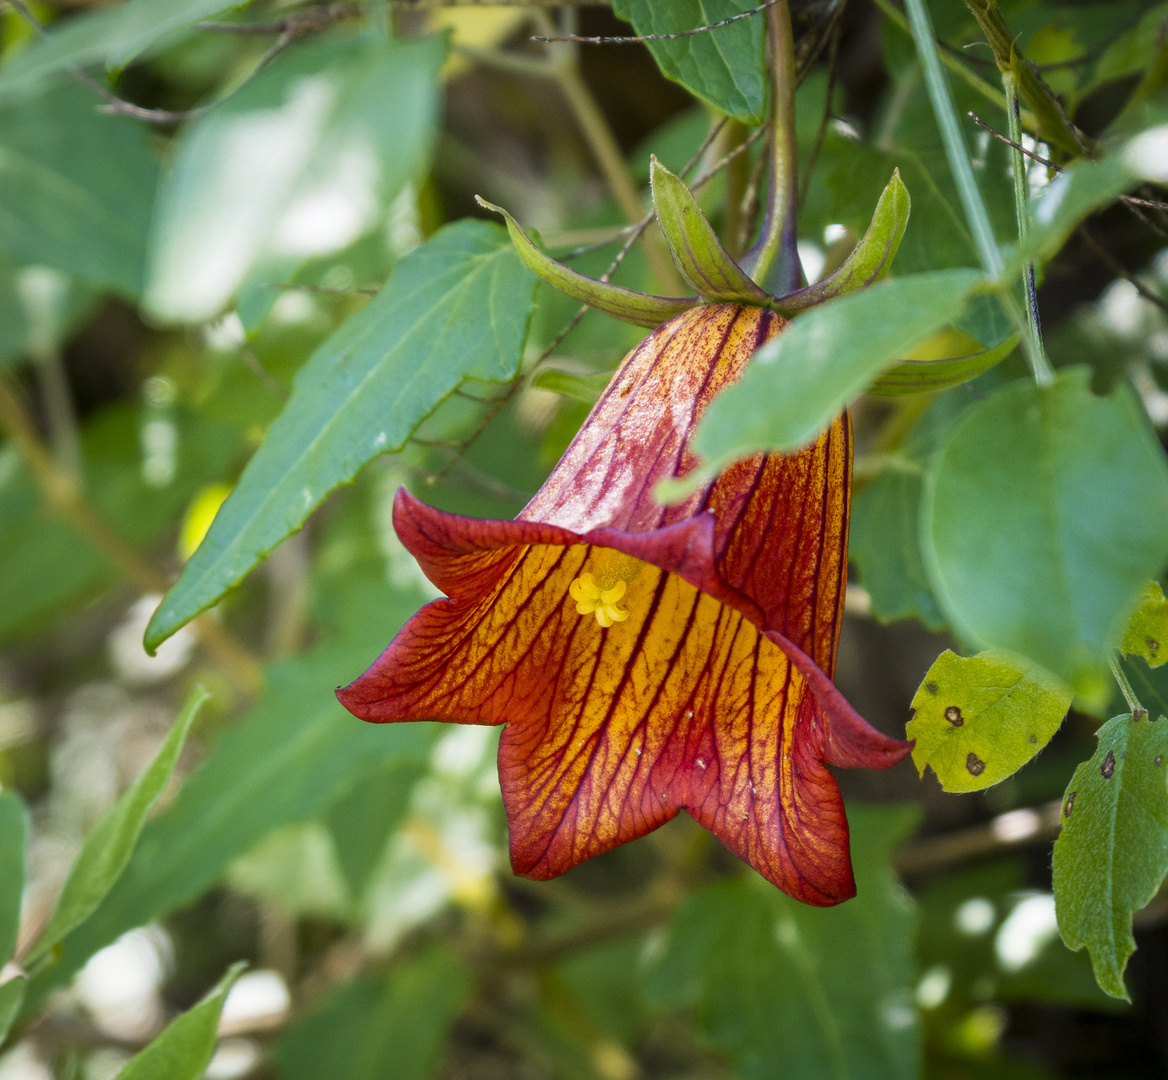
(648, 659)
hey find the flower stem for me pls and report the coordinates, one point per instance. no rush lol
(733, 134)
(986, 89)
(63, 493)
(776, 267)
(955, 149)
(1035, 352)
(1125, 688)
(1051, 120)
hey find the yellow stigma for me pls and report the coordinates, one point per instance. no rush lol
(600, 593)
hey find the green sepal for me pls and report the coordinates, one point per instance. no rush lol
(640, 309)
(869, 262)
(929, 376)
(586, 388)
(695, 247)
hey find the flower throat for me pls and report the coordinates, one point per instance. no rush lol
(599, 593)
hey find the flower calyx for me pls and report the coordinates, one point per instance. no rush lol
(715, 275)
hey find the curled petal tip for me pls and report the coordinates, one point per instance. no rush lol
(849, 741)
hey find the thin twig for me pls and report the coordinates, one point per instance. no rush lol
(115, 104)
(310, 20)
(1005, 831)
(64, 495)
(825, 119)
(263, 374)
(1117, 268)
(1044, 103)
(637, 39)
(607, 152)
(634, 234)
(642, 914)
(1131, 200)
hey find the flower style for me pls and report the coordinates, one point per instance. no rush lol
(648, 659)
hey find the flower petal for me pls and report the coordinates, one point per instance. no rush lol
(685, 705)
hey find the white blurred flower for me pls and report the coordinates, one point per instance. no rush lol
(975, 916)
(447, 850)
(121, 985)
(1026, 931)
(1123, 311)
(104, 1063)
(233, 1058)
(22, 1062)
(1147, 154)
(132, 664)
(934, 986)
(259, 1000)
(813, 260)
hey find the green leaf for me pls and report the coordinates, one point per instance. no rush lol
(799, 380)
(111, 37)
(361, 820)
(1112, 852)
(885, 534)
(979, 719)
(76, 188)
(456, 308)
(110, 843)
(388, 1028)
(1044, 514)
(725, 68)
(13, 837)
(787, 990)
(695, 247)
(1147, 629)
(11, 998)
(284, 762)
(871, 259)
(299, 162)
(187, 1044)
(628, 305)
(885, 546)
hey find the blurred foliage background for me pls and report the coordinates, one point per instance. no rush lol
(192, 202)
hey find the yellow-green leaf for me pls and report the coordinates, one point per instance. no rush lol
(1147, 631)
(981, 718)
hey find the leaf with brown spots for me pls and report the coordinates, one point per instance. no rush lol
(980, 718)
(1112, 853)
(1147, 629)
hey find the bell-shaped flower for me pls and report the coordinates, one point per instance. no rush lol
(648, 659)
